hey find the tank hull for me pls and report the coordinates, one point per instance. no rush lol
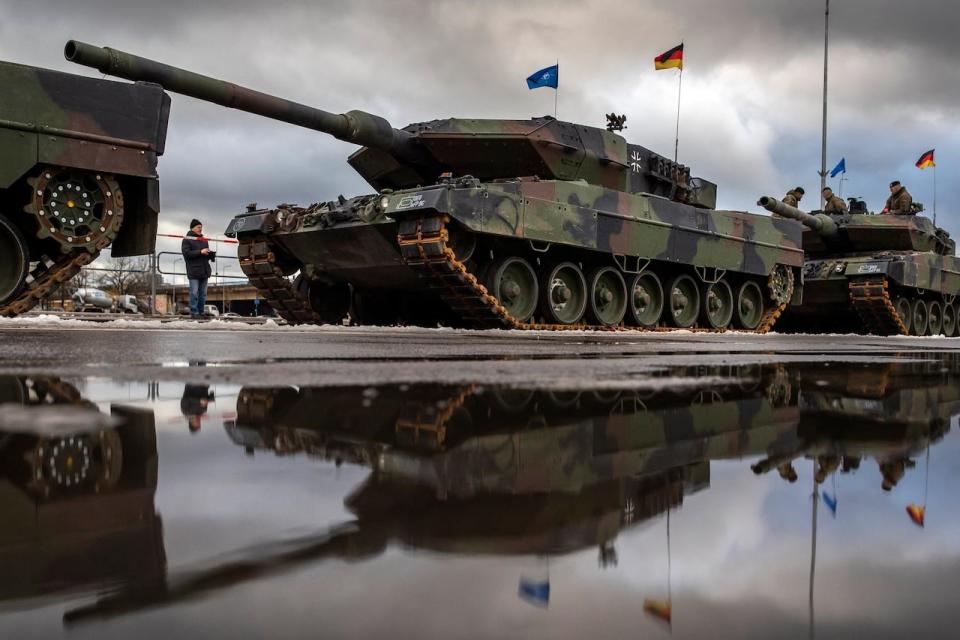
(829, 298)
(355, 242)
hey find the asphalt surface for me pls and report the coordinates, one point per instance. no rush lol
(266, 355)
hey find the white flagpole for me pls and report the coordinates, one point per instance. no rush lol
(556, 92)
(676, 140)
(934, 192)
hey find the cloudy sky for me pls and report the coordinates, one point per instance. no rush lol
(751, 93)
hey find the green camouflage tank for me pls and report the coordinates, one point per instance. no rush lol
(78, 173)
(499, 223)
(882, 274)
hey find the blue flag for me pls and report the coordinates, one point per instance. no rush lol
(535, 591)
(840, 168)
(549, 77)
(830, 501)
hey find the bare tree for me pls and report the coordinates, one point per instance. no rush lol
(124, 275)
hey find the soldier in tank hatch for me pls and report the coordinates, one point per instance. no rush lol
(833, 203)
(900, 200)
(793, 197)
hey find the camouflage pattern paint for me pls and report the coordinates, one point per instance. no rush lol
(551, 184)
(62, 120)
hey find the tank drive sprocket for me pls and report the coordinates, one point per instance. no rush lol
(76, 209)
(780, 284)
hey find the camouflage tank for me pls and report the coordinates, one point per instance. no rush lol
(882, 274)
(498, 223)
(78, 173)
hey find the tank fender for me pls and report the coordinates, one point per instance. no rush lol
(138, 234)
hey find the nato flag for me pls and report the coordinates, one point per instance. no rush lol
(549, 77)
(840, 168)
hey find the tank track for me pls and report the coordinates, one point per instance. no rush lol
(423, 246)
(429, 422)
(870, 298)
(259, 264)
(44, 278)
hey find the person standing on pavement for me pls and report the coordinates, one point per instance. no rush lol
(197, 258)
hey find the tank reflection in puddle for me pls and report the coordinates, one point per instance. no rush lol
(890, 413)
(76, 493)
(505, 471)
(469, 470)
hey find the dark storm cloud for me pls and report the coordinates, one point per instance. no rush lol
(750, 114)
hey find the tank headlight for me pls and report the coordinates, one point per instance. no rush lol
(280, 216)
(384, 202)
(839, 268)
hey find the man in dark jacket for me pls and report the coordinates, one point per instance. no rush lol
(194, 403)
(197, 258)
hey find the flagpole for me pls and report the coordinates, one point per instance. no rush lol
(556, 92)
(934, 193)
(823, 145)
(676, 140)
(813, 545)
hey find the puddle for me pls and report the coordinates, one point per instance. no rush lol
(788, 499)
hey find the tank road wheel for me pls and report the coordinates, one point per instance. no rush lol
(949, 320)
(748, 310)
(462, 242)
(564, 294)
(78, 209)
(608, 297)
(683, 298)
(14, 260)
(646, 299)
(918, 321)
(717, 309)
(905, 311)
(934, 318)
(513, 283)
(329, 301)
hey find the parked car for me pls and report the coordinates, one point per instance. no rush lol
(211, 310)
(230, 314)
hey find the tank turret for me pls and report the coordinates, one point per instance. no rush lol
(420, 153)
(830, 234)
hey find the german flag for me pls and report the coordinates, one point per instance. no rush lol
(672, 59)
(926, 160)
(916, 514)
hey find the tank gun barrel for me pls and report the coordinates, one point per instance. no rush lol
(820, 223)
(358, 127)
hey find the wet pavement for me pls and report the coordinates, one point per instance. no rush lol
(412, 483)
